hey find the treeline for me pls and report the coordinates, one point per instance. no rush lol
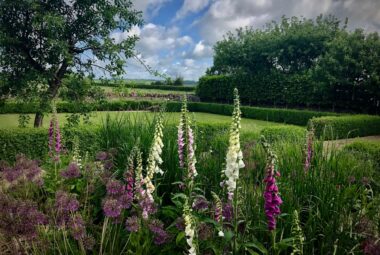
(297, 63)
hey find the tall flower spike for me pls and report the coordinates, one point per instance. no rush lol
(218, 212)
(309, 148)
(272, 198)
(186, 144)
(234, 158)
(154, 158)
(189, 228)
(181, 133)
(54, 135)
(297, 234)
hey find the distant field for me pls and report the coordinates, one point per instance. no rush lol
(149, 91)
(248, 125)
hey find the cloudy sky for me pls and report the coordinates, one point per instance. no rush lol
(178, 35)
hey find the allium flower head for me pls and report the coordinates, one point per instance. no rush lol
(112, 208)
(200, 204)
(65, 202)
(234, 158)
(71, 172)
(132, 224)
(160, 235)
(115, 187)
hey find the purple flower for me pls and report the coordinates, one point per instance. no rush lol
(128, 177)
(57, 138)
(180, 224)
(147, 205)
(204, 231)
(115, 187)
(125, 201)
(112, 208)
(65, 202)
(101, 156)
(309, 150)
(24, 169)
(160, 235)
(200, 204)
(132, 224)
(88, 242)
(77, 228)
(71, 172)
(272, 198)
(228, 211)
(181, 145)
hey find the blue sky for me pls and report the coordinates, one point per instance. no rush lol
(178, 35)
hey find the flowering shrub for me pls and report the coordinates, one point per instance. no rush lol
(125, 201)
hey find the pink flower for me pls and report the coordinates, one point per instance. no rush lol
(272, 198)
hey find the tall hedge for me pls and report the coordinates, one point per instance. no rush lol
(149, 86)
(333, 127)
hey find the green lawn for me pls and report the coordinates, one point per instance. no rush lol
(248, 125)
(149, 91)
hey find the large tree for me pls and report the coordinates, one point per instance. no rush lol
(41, 41)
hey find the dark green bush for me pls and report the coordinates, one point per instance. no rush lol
(288, 133)
(365, 149)
(332, 127)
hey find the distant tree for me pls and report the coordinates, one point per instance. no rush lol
(42, 41)
(157, 83)
(168, 81)
(178, 81)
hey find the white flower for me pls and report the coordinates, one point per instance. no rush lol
(221, 233)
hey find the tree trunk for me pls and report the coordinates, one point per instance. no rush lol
(38, 119)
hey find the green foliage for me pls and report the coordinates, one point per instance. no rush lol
(297, 62)
(366, 150)
(42, 41)
(284, 133)
(331, 127)
(33, 142)
(23, 120)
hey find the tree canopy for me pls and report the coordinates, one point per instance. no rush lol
(302, 62)
(41, 41)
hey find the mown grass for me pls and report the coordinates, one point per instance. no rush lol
(248, 125)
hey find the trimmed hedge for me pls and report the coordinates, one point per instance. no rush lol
(288, 133)
(288, 116)
(33, 142)
(365, 149)
(147, 86)
(331, 127)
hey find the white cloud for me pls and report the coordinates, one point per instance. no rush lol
(227, 15)
(202, 50)
(191, 6)
(149, 7)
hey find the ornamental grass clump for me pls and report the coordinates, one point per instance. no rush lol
(309, 149)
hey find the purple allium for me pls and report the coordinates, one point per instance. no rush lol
(180, 224)
(77, 228)
(115, 187)
(125, 201)
(228, 211)
(65, 202)
(108, 165)
(160, 235)
(205, 231)
(101, 156)
(71, 172)
(272, 198)
(24, 169)
(112, 208)
(88, 242)
(20, 219)
(351, 179)
(132, 224)
(200, 204)
(365, 181)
